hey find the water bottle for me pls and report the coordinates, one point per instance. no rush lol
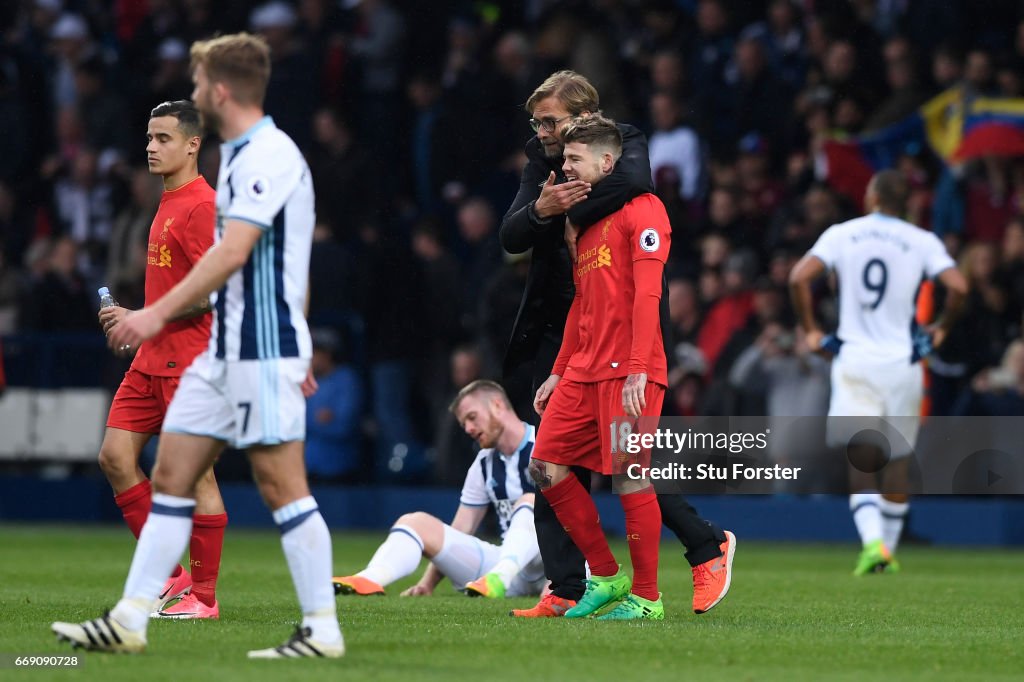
(106, 298)
(107, 301)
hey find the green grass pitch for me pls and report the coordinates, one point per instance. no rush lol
(794, 613)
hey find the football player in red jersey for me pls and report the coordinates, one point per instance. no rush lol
(181, 233)
(611, 365)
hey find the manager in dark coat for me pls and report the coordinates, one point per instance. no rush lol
(536, 220)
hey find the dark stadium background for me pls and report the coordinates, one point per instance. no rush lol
(410, 114)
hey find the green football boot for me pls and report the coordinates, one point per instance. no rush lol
(636, 608)
(488, 585)
(600, 592)
(875, 558)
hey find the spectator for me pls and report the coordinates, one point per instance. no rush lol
(668, 75)
(60, 300)
(763, 193)
(905, 91)
(794, 382)
(377, 50)
(101, 109)
(783, 41)
(498, 306)
(454, 450)
(782, 366)
(345, 175)
(712, 50)
(760, 101)
(72, 45)
(513, 65)
(1011, 269)
(730, 312)
(333, 437)
(126, 260)
(442, 327)
(674, 145)
(685, 317)
(85, 208)
(170, 79)
(724, 216)
(482, 254)
(292, 90)
(997, 391)
(388, 290)
(332, 281)
(436, 172)
(947, 67)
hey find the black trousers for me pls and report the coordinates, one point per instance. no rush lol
(563, 561)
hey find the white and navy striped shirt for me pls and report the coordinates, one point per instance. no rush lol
(258, 313)
(498, 479)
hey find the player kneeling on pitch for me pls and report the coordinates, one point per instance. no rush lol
(498, 477)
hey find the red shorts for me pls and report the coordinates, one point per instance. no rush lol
(577, 426)
(141, 402)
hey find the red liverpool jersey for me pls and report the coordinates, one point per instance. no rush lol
(181, 233)
(616, 333)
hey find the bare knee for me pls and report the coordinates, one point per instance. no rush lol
(114, 462)
(208, 499)
(428, 527)
(277, 492)
(207, 482)
(280, 473)
(120, 464)
(169, 481)
(546, 474)
(524, 500)
(416, 520)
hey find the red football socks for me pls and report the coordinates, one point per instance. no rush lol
(643, 533)
(204, 555)
(135, 504)
(576, 512)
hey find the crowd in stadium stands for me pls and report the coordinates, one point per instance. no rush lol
(410, 114)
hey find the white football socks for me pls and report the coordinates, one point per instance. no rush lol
(398, 557)
(894, 514)
(161, 544)
(519, 547)
(307, 548)
(867, 516)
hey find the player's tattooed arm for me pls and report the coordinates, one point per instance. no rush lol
(539, 474)
(633, 400)
(200, 308)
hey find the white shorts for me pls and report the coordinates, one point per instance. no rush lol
(881, 397)
(241, 402)
(466, 557)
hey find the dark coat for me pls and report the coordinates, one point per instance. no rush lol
(549, 288)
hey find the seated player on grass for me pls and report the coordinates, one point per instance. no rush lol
(498, 477)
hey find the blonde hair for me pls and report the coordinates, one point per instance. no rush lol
(240, 60)
(479, 386)
(571, 88)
